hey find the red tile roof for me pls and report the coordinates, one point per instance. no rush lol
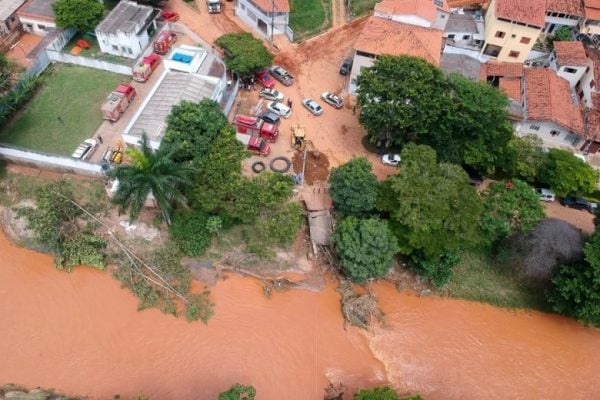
(512, 88)
(571, 7)
(381, 36)
(421, 8)
(530, 12)
(466, 3)
(594, 56)
(592, 118)
(548, 98)
(570, 53)
(267, 5)
(592, 9)
(502, 69)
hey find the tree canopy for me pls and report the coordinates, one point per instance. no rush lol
(381, 393)
(192, 128)
(239, 392)
(82, 15)
(353, 187)
(405, 99)
(365, 246)
(566, 174)
(524, 157)
(509, 207)
(432, 207)
(153, 173)
(244, 54)
(576, 291)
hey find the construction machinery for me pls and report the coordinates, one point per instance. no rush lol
(300, 142)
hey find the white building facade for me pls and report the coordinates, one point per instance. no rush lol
(266, 17)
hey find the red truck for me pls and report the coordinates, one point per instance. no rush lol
(143, 70)
(164, 41)
(256, 145)
(117, 102)
(255, 126)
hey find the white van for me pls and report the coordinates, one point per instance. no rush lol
(545, 194)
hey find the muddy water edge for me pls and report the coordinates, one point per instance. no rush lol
(81, 333)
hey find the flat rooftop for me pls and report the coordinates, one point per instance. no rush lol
(38, 8)
(172, 89)
(461, 23)
(8, 8)
(126, 17)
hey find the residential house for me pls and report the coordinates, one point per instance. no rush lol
(586, 86)
(563, 13)
(381, 36)
(467, 3)
(9, 22)
(127, 29)
(512, 28)
(551, 112)
(592, 126)
(267, 17)
(425, 13)
(590, 25)
(570, 61)
(465, 30)
(507, 77)
(37, 16)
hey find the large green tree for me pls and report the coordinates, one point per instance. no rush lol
(509, 207)
(566, 174)
(432, 207)
(244, 54)
(365, 247)
(353, 187)
(576, 290)
(523, 158)
(82, 15)
(239, 392)
(192, 129)
(381, 393)
(153, 173)
(405, 99)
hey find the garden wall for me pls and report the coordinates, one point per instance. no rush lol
(58, 56)
(49, 162)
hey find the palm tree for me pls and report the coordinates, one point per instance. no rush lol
(151, 173)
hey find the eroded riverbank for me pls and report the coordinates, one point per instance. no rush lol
(81, 333)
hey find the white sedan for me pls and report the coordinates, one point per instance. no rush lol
(391, 159)
(332, 100)
(85, 149)
(312, 106)
(279, 109)
(270, 94)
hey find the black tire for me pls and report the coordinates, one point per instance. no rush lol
(258, 167)
(288, 164)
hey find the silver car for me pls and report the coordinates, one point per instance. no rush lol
(282, 75)
(332, 99)
(279, 109)
(85, 149)
(391, 159)
(270, 94)
(312, 106)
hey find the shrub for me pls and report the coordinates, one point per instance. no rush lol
(353, 187)
(190, 231)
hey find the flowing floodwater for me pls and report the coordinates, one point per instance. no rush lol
(81, 333)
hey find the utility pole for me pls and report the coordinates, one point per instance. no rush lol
(272, 19)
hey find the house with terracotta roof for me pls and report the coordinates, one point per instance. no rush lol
(590, 25)
(550, 110)
(425, 13)
(382, 36)
(512, 28)
(586, 86)
(561, 13)
(570, 61)
(507, 77)
(37, 16)
(267, 17)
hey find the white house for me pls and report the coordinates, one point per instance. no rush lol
(37, 16)
(425, 13)
(382, 36)
(586, 86)
(569, 61)
(465, 30)
(127, 29)
(550, 111)
(267, 17)
(563, 13)
(590, 24)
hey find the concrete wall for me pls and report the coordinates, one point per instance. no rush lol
(48, 161)
(58, 56)
(256, 18)
(561, 139)
(511, 40)
(571, 73)
(583, 87)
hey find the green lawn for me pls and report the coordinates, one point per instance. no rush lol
(70, 92)
(476, 278)
(360, 7)
(94, 51)
(309, 17)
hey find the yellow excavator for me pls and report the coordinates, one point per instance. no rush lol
(300, 142)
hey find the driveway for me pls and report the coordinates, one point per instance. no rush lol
(578, 218)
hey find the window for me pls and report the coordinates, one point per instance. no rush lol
(525, 40)
(587, 69)
(572, 138)
(534, 127)
(115, 47)
(554, 133)
(466, 37)
(570, 70)
(42, 27)
(581, 94)
(513, 36)
(129, 50)
(514, 54)
(439, 3)
(451, 36)
(500, 34)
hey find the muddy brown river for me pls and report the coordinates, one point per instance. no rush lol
(81, 333)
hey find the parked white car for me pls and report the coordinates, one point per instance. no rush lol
(332, 99)
(270, 94)
(312, 106)
(545, 194)
(85, 149)
(391, 159)
(279, 109)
